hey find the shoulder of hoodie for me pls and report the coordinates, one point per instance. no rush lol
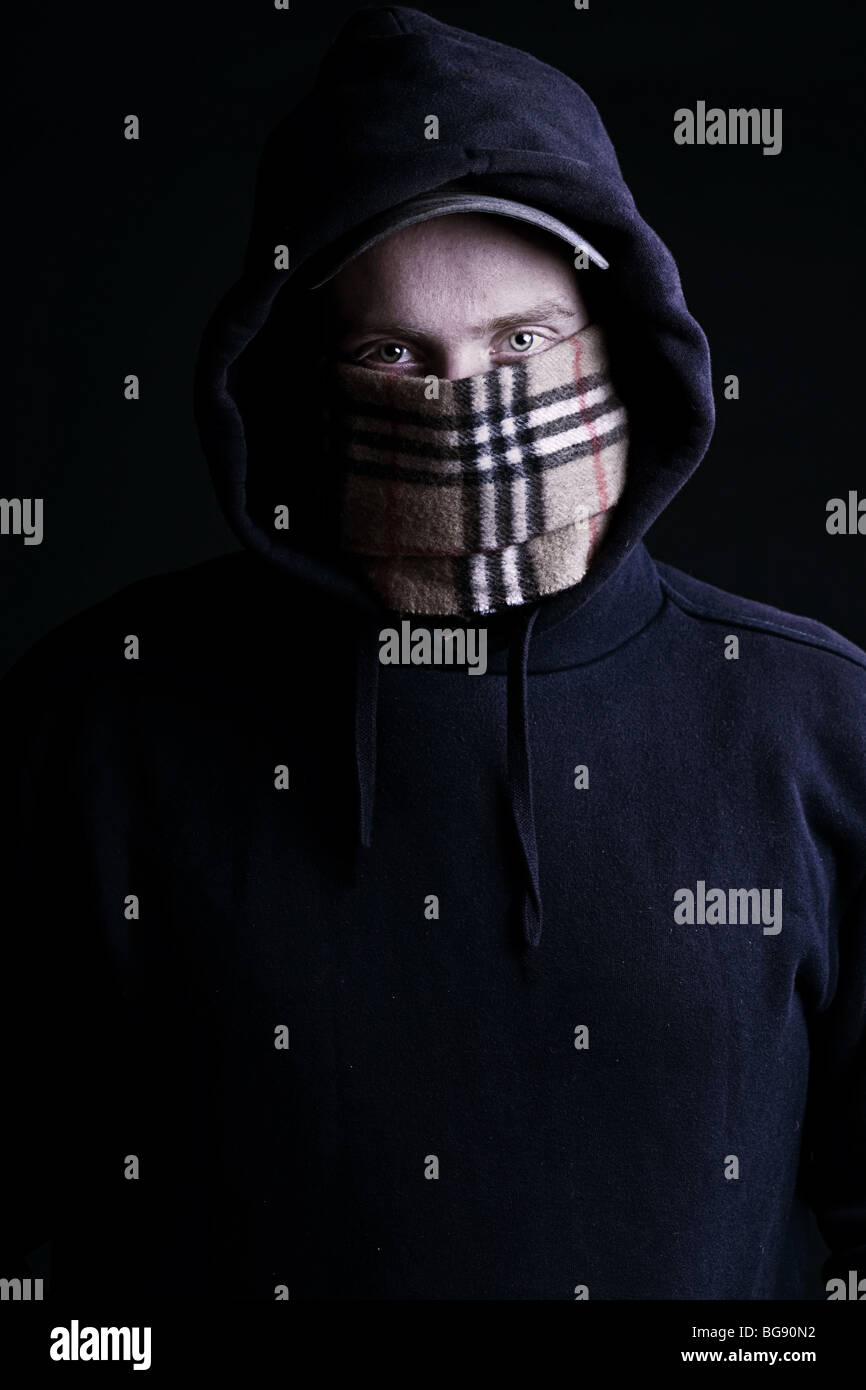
(186, 619)
(788, 635)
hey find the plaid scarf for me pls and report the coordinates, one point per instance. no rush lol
(474, 495)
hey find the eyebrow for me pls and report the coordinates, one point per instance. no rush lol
(531, 313)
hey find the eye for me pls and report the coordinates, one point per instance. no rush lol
(522, 340)
(389, 352)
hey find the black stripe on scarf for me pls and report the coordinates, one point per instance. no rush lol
(371, 468)
(463, 418)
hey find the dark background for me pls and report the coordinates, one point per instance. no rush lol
(121, 250)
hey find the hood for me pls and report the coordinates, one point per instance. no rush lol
(354, 147)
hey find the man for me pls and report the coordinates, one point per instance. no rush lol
(341, 973)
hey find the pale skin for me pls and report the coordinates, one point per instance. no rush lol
(453, 297)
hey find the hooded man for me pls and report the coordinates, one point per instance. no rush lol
(339, 973)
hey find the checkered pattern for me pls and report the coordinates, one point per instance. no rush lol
(493, 494)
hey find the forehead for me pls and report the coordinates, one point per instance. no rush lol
(464, 262)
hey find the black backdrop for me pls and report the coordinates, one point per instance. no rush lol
(121, 250)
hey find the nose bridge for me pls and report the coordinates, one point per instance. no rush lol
(462, 354)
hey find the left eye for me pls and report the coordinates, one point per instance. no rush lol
(385, 351)
(522, 340)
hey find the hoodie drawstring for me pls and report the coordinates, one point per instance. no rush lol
(518, 758)
(366, 702)
(520, 775)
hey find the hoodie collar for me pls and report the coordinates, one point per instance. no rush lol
(617, 611)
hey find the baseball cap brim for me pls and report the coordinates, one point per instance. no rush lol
(442, 204)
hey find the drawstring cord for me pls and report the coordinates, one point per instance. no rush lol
(520, 775)
(518, 758)
(366, 701)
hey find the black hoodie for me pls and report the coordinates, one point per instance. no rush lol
(444, 1017)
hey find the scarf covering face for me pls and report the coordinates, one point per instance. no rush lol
(474, 495)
